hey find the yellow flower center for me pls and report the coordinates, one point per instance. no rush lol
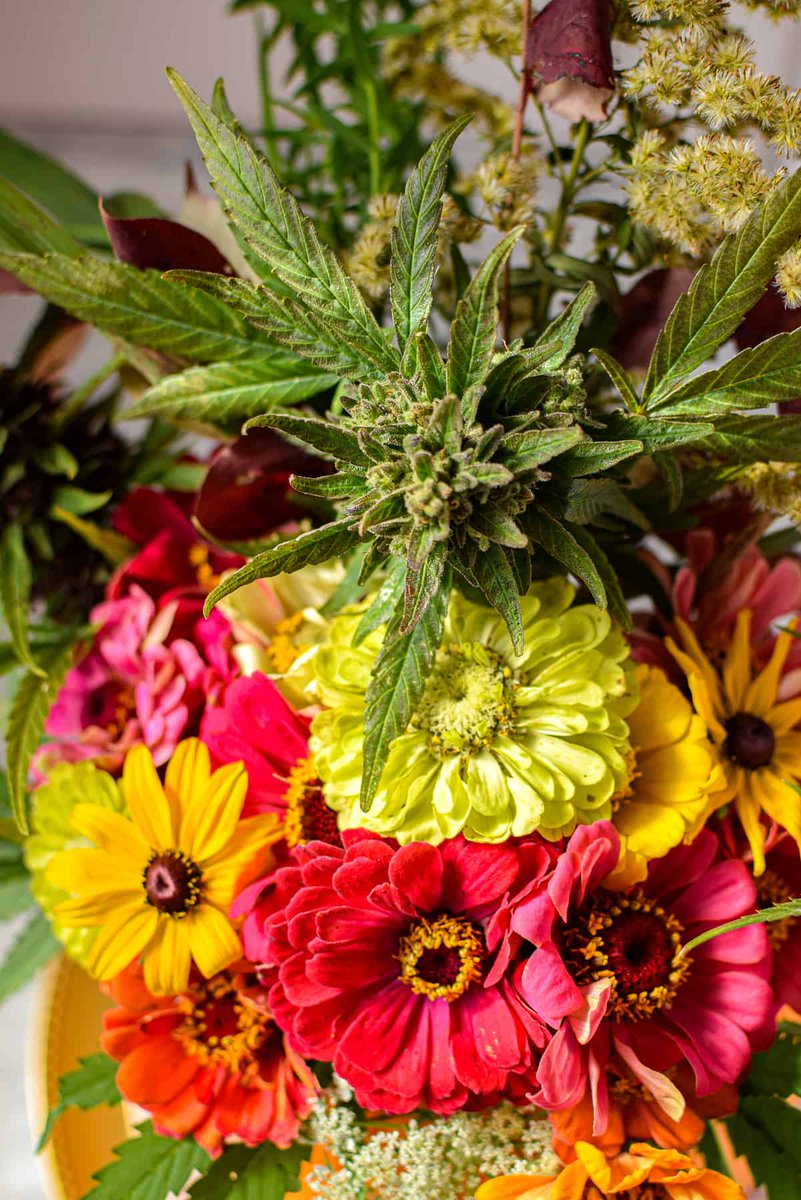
(283, 649)
(204, 572)
(221, 1027)
(441, 958)
(172, 882)
(772, 889)
(469, 699)
(308, 817)
(633, 942)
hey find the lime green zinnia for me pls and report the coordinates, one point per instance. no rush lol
(501, 744)
(68, 785)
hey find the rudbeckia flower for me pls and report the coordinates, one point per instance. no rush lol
(160, 883)
(207, 1062)
(756, 733)
(642, 1174)
(672, 772)
(500, 744)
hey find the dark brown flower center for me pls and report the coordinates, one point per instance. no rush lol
(750, 741)
(635, 943)
(308, 817)
(222, 1027)
(172, 883)
(441, 957)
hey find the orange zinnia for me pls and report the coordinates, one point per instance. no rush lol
(209, 1062)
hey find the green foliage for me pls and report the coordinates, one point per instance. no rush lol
(25, 228)
(71, 200)
(723, 291)
(32, 949)
(397, 684)
(777, 1071)
(758, 376)
(34, 697)
(15, 593)
(92, 1083)
(149, 1167)
(767, 1131)
(246, 1173)
(758, 438)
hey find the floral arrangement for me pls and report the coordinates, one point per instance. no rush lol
(418, 771)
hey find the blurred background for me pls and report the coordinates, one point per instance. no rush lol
(84, 81)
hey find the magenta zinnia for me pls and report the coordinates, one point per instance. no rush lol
(380, 960)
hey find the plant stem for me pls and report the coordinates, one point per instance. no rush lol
(517, 145)
(570, 186)
(373, 136)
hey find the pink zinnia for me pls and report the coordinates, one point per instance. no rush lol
(610, 982)
(137, 684)
(380, 960)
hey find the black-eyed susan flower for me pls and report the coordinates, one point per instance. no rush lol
(159, 882)
(757, 735)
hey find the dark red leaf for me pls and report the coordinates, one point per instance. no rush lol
(569, 58)
(163, 245)
(246, 493)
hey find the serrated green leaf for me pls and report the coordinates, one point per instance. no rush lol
(609, 576)
(724, 290)
(414, 236)
(474, 332)
(425, 567)
(563, 331)
(321, 437)
(31, 704)
(398, 681)
(34, 946)
(279, 232)
(15, 593)
(762, 438)
(252, 1173)
(149, 1167)
(657, 434)
(71, 200)
(92, 1083)
(334, 540)
(431, 366)
(590, 457)
(588, 499)
(761, 375)
(494, 575)
(527, 451)
(329, 487)
(228, 393)
(620, 378)
(138, 306)
(557, 541)
(26, 229)
(671, 472)
(386, 600)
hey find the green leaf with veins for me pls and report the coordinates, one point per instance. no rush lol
(563, 331)
(321, 437)
(15, 592)
(33, 947)
(149, 1167)
(26, 229)
(765, 374)
(253, 1173)
(762, 437)
(30, 706)
(494, 575)
(91, 1084)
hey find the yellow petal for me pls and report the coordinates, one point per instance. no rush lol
(784, 717)
(111, 831)
(517, 1187)
(210, 819)
(188, 773)
(761, 695)
(748, 810)
(781, 802)
(121, 939)
(93, 872)
(244, 858)
(212, 940)
(167, 960)
(94, 910)
(147, 803)
(704, 683)
(737, 666)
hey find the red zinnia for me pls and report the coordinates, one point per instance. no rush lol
(379, 956)
(611, 982)
(210, 1063)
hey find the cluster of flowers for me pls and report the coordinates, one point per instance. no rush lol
(506, 930)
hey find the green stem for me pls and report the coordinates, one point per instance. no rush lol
(77, 401)
(570, 186)
(373, 136)
(779, 912)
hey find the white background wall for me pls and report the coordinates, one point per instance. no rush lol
(84, 80)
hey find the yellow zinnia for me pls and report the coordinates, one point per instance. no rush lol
(755, 733)
(643, 1174)
(673, 771)
(160, 883)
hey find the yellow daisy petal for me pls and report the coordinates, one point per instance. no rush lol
(737, 666)
(761, 695)
(784, 717)
(212, 940)
(121, 939)
(93, 872)
(187, 775)
(211, 817)
(705, 689)
(147, 803)
(748, 809)
(167, 960)
(94, 910)
(782, 803)
(243, 859)
(111, 831)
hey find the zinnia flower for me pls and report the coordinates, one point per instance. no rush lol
(160, 883)
(645, 1173)
(379, 956)
(612, 980)
(672, 773)
(255, 725)
(756, 733)
(207, 1063)
(500, 744)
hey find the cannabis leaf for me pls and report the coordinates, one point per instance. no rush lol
(414, 237)
(34, 946)
(32, 702)
(149, 1167)
(15, 592)
(92, 1083)
(252, 1173)
(724, 290)
(25, 228)
(558, 339)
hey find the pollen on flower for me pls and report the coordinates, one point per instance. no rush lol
(772, 889)
(283, 649)
(636, 944)
(222, 1028)
(308, 817)
(204, 572)
(441, 958)
(468, 700)
(172, 882)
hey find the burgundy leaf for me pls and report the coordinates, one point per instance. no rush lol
(643, 311)
(246, 493)
(568, 58)
(161, 244)
(768, 317)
